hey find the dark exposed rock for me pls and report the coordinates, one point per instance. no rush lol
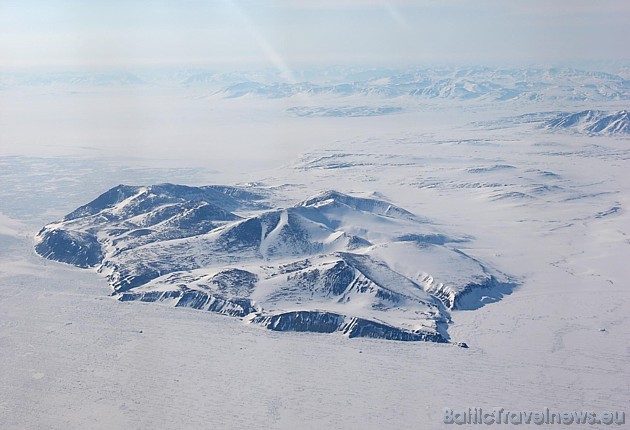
(314, 321)
(73, 247)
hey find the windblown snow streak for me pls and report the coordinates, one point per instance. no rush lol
(331, 263)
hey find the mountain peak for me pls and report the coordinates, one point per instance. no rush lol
(370, 205)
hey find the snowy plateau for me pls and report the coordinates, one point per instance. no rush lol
(210, 249)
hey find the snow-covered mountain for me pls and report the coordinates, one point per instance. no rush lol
(461, 84)
(331, 263)
(592, 122)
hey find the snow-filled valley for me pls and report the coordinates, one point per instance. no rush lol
(481, 206)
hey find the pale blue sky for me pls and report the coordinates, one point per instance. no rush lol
(286, 34)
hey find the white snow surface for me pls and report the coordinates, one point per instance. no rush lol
(550, 209)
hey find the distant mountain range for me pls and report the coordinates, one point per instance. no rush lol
(471, 83)
(342, 111)
(592, 122)
(71, 79)
(461, 84)
(362, 267)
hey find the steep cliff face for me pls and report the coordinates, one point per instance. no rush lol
(329, 322)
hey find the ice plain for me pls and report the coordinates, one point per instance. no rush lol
(548, 207)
